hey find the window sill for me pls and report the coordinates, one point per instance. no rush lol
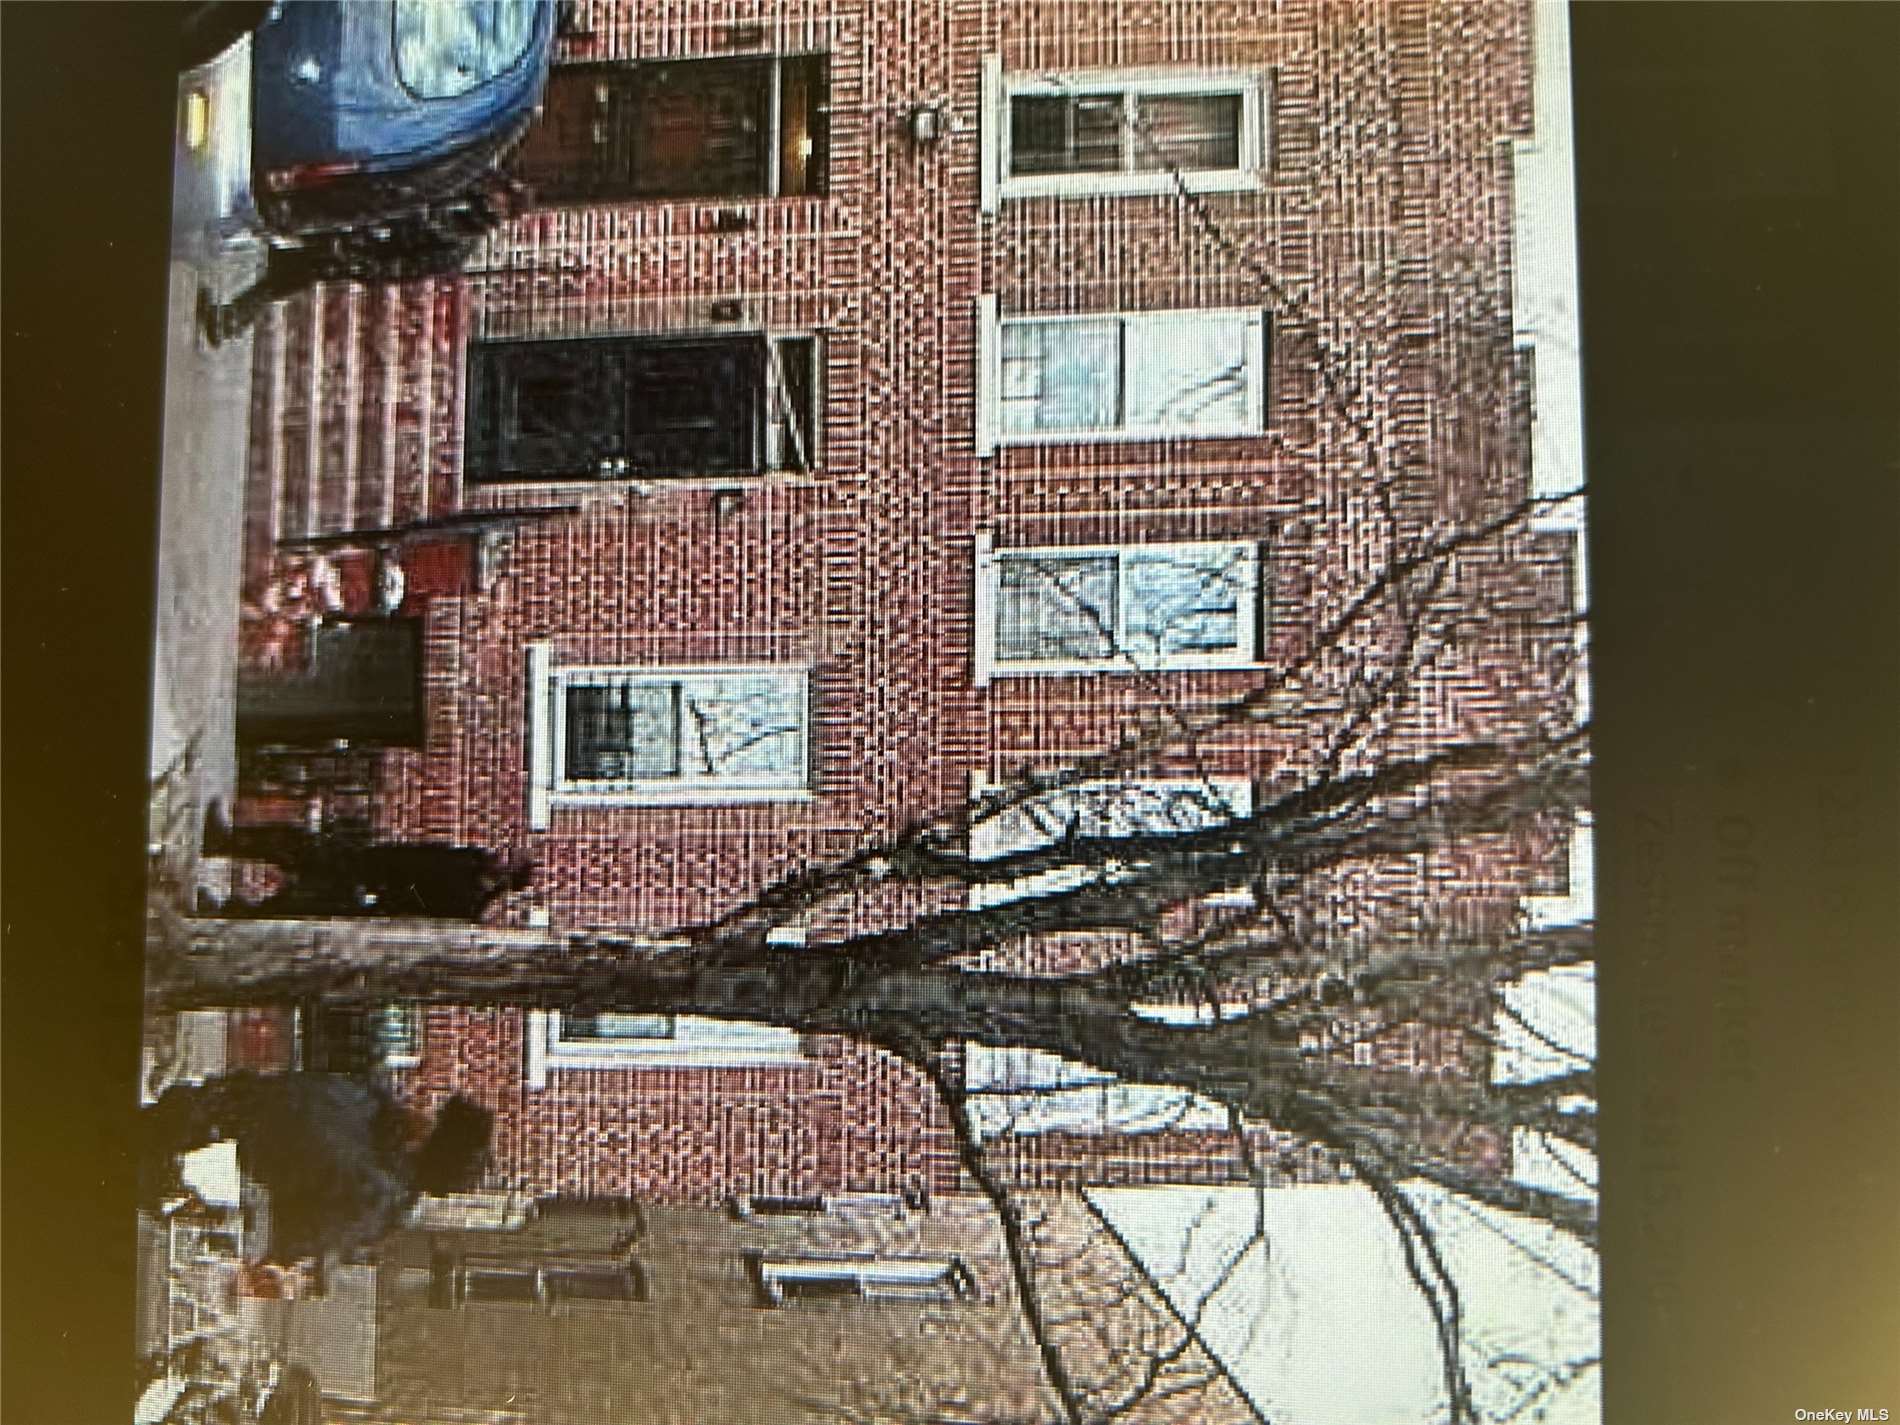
(704, 796)
(649, 485)
(1128, 185)
(705, 1045)
(1118, 669)
(1005, 439)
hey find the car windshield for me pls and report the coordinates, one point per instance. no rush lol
(448, 47)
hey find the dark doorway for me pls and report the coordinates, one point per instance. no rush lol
(640, 407)
(757, 126)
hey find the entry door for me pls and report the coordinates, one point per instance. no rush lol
(616, 407)
(659, 129)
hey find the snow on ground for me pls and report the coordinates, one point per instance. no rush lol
(1322, 1325)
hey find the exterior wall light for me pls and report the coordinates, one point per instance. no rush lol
(926, 124)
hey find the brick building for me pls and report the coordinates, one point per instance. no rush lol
(745, 490)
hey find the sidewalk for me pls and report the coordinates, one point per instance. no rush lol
(207, 404)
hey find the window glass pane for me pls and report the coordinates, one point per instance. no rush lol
(702, 128)
(1183, 600)
(617, 1026)
(744, 727)
(791, 415)
(804, 125)
(622, 731)
(779, 1206)
(1189, 371)
(1055, 133)
(818, 1288)
(1188, 131)
(498, 1286)
(591, 1284)
(1062, 376)
(1056, 607)
(547, 404)
(694, 404)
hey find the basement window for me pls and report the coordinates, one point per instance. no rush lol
(642, 407)
(750, 1207)
(549, 1283)
(796, 1281)
(753, 126)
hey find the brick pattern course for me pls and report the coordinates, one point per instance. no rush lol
(1384, 221)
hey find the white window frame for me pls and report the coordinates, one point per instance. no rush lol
(917, 1279)
(547, 732)
(989, 562)
(696, 1043)
(1000, 87)
(989, 355)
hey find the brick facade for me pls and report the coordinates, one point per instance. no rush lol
(1383, 214)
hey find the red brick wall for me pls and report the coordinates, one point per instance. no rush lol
(851, 1119)
(1385, 218)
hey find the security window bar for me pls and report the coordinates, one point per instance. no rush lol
(642, 407)
(747, 1207)
(1154, 374)
(754, 126)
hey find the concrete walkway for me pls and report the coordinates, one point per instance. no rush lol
(207, 404)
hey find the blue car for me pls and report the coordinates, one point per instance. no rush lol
(379, 118)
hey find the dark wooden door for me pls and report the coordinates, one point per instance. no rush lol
(616, 407)
(654, 129)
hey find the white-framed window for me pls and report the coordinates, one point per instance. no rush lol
(1116, 608)
(1028, 1091)
(633, 736)
(1145, 806)
(1189, 372)
(1093, 131)
(791, 1281)
(653, 1041)
(1132, 807)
